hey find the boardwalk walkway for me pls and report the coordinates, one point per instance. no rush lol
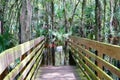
(58, 73)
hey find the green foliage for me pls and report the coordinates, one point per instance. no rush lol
(117, 13)
(60, 34)
(36, 9)
(60, 13)
(7, 41)
(89, 14)
(39, 30)
(48, 0)
(75, 29)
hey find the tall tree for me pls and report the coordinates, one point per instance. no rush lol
(66, 28)
(2, 10)
(25, 20)
(82, 18)
(52, 21)
(98, 20)
(104, 20)
(65, 17)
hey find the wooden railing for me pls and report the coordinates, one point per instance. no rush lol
(30, 55)
(95, 58)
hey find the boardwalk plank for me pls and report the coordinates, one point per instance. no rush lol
(58, 73)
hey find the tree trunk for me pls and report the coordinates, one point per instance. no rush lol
(65, 17)
(98, 20)
(66, 31)
(0, 27)
(2, 10)
(104, 21)
(82, 19)
(25, 21)
(52, 20)
(105, 4)
(47, 36)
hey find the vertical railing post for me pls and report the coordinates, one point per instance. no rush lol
(4, 74)
(99, 64)
(87, 47)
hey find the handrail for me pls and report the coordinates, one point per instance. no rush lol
(34, 47)
(80, 47)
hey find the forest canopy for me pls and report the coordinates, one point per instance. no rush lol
(23, 20)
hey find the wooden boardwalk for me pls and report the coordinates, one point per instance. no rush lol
(59, 73)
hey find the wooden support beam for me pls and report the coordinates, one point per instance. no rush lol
(99, 63)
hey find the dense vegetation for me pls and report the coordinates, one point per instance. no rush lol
(22, 20)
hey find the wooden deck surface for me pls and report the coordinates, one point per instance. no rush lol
(59, 73)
